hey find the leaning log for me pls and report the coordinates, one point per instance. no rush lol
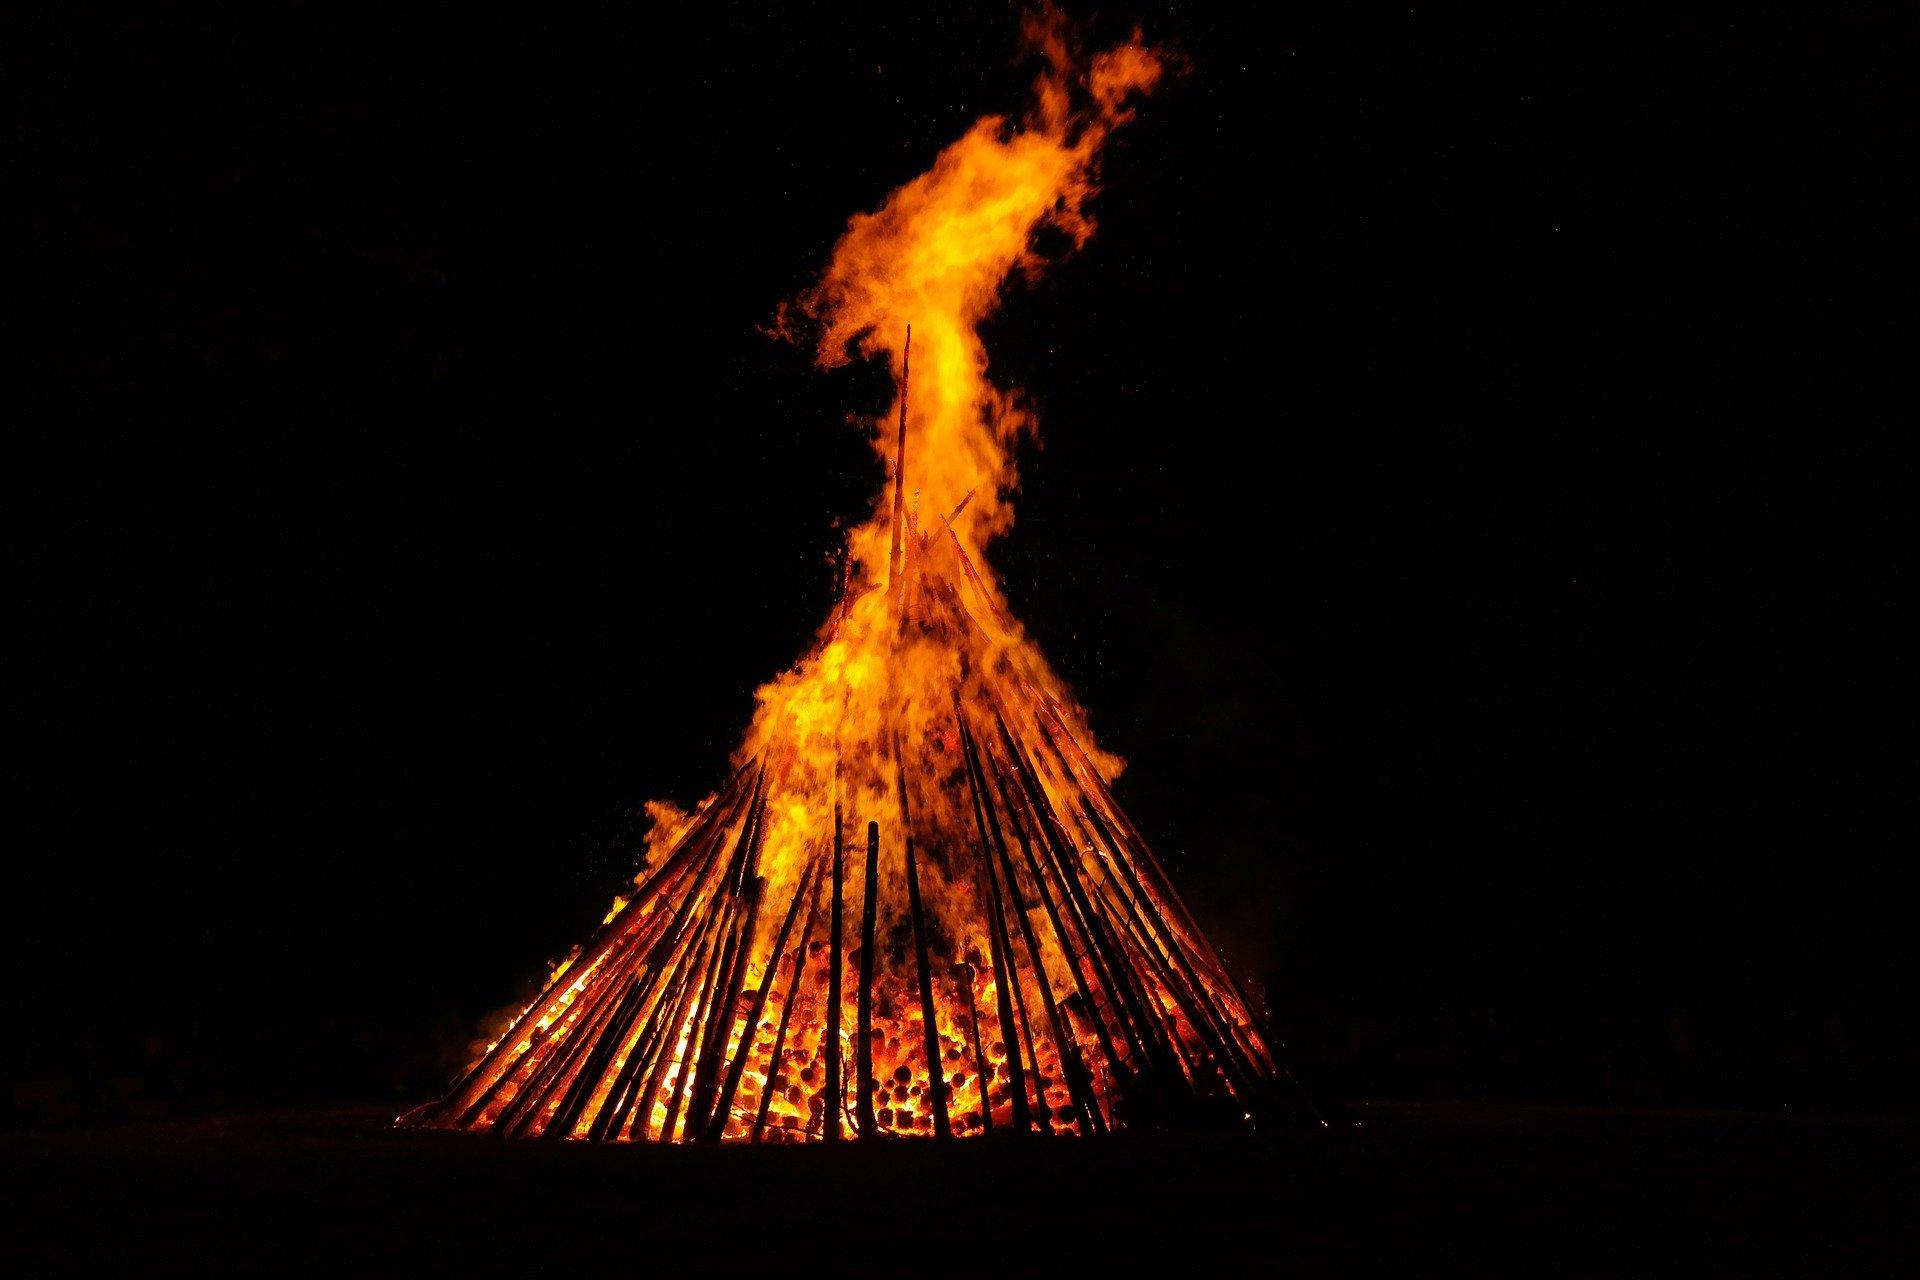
(836, 1092)
(863, 1025)
(936, 1070)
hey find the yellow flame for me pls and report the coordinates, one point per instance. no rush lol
(921, 658)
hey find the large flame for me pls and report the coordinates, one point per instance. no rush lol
(935, 257)
(1000, 947)
(937, 254)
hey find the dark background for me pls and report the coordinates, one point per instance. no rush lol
(1466, 500)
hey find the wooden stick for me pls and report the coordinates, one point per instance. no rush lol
(863, 1026)
(804, 894)
(733, 968)
(526, 1109)
(1209, 954)
(1191, 1005)
(1196, 989)
(900, 465)
(1077, 1084)
(836, 1091)
(1167, 1049)
(1076, 951)
(936, 1070)
(606, 1042)
(712, 1118)
(484, 1079)
(786, 1016)
(982, 1073)
(701, 1013)
(999, 957)
(686, 988)
(583, 1026)
(620, 1098)
(1112, 972)
(671, 973)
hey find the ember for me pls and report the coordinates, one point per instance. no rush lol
(915, 908)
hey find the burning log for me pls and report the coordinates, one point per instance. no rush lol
(729, 976)
(1063, 1044)
(670, 977)
(981, 1069)
(706, 1012)
(561, 1062)
(699, 996)
(1148, 948)
(786, 1017)
(936, 1076)
(929, 1022)
(835, 1091)
(624, 935)
(1168, 964)
(1115, 975)
(863, 1027)
(1071, 947)
(900, 463)
(724, 1109)
(1259, 1058)
(1005, 980)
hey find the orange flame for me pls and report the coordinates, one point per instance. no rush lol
(1003, 948)
(937, 254)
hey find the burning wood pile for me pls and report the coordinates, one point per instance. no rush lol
(915, 908)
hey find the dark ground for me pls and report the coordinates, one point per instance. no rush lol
(1416, 1189)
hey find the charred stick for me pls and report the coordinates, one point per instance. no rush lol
(712, 1119)
(973, 576)
(1078, 1086)
(752, 1027)
(560, 1066)
(982, 1073)
(648, 1061)
(553, 1047)
(929, 1025)
(486, 1077)
(1202, 1010)
(583, 1026)
(1164, 1048)
(672, 1042)
(863, 1026)
(1075, 951)
(786, 1016)
(704, 1014)
(900, 464)
(1057, 836)
(1163, 968)
(1139, 977)
(1182, 914)
(606, 1042)
(997, 956)
(936, 1070)
(1041, 1108)
(706, 1077)
(1005, 890)
(543, 1048)
(668, 976)
(619, 1100)
(836, 1092)
(1108, 961)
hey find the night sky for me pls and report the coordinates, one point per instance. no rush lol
(1464, 499)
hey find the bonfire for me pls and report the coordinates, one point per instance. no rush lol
(914, 909)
